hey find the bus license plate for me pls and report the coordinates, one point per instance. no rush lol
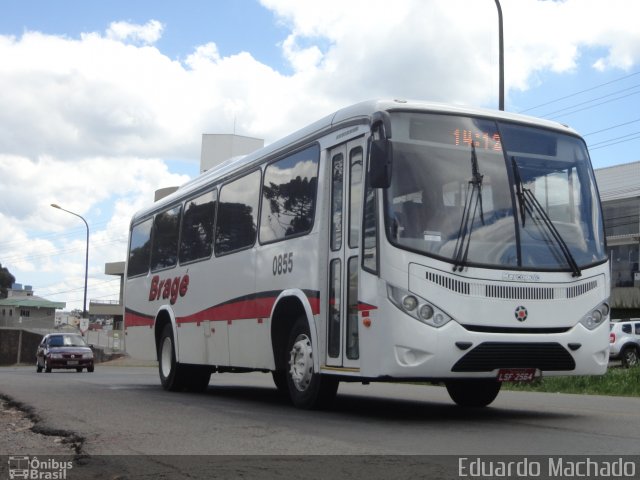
(516, 374)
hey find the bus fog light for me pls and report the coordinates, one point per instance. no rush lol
(589, 323)
(425, 312)
(439, 319)
(410, 303)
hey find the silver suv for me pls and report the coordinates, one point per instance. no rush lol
(624, 341)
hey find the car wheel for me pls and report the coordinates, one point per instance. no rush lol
(79, 369)
(473, 393)
(307, 388)
(629, 357)
(90, 369)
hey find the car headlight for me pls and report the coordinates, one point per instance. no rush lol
(87, 355)
(418, 308)
(55, 355)
(596, 316)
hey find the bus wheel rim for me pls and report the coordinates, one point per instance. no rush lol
(167, 356)
(301, 363)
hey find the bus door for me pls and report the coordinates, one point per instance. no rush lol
(347, 174)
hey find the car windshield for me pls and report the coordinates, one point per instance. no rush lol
(67, 341)
(454, 194)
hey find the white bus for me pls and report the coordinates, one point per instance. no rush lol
(389, 241)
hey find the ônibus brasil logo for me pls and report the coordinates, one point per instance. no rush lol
(521, 313)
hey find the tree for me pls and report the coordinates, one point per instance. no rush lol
(6, 280)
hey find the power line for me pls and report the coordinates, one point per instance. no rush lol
(111, 280)
(580, 92)
(593, 100)
(611, 128)
(616, 143)
(612, 139)
(587, 108)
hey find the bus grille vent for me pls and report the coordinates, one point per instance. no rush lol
(510, 292)
(489, 356)
(519, 293)
(581, 289)
(449, 283)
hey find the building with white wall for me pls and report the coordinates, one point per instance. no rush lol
(619, 188)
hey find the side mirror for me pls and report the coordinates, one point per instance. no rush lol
(380, 155)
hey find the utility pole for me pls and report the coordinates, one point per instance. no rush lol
(501, 58)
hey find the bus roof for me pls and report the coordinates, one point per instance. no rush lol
(359, 113)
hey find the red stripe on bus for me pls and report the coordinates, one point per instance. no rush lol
(134, 319)
(249, 307)
(243, 309)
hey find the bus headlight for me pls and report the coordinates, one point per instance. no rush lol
(409, 303)
(596, 316)
(417, 307)
(425, 312)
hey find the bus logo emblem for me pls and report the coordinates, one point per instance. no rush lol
(521, 313)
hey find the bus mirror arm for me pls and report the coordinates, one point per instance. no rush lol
(380, 155)
(380, 150)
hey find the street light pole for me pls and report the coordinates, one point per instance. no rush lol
(501, 58)
(86, 258)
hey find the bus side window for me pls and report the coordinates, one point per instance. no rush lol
(140, 248)
(289, 196)
(238, 214)
(164, 250)
(355, 195)
(196, 239)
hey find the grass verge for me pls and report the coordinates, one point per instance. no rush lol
(617, 381)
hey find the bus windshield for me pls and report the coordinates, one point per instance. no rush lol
(475, 191)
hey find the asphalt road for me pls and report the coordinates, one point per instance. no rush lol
(124, 411)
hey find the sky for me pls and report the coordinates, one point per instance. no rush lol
(102, 103)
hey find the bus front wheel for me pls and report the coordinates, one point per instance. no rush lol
(307, 389)
(473, 393)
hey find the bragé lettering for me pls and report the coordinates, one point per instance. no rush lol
(168, 288)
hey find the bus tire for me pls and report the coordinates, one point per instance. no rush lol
(280, 380)
(307, 389)
(473, 393)
(171, 375)
(196, 378)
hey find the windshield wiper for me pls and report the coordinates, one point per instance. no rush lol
(474, 190)
(529, 203)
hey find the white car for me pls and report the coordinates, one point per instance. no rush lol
(624, 341)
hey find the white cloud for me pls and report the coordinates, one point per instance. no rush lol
(146, 34)
(85, 122)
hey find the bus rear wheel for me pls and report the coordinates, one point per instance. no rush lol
(307, 389)
(171, 377)
(473, 393)
(174, 376)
